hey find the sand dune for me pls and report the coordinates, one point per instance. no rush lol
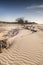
(27, 49)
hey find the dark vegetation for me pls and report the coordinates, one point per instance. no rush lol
(19, 21)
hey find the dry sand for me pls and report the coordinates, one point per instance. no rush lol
(27, 49)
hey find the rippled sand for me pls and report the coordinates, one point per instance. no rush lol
(27, 49)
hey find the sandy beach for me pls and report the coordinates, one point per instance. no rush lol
(26, 48)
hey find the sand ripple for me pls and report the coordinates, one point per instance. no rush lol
(22, 53)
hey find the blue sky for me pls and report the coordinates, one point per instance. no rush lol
(31, 10)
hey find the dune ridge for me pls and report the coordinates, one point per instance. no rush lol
(27, 49)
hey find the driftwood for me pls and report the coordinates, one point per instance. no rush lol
(31, 28)
(12, 33)
(4, 42)
(27, 27)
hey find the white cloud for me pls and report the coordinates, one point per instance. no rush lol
(35, 6)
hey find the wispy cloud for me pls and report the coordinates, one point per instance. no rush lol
(35, 6)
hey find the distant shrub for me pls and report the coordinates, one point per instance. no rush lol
(26, 21)
(20, 21)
